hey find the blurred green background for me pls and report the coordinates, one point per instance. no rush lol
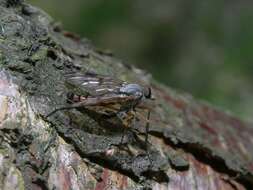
(202, 47)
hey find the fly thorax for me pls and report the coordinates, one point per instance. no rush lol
(132, 90)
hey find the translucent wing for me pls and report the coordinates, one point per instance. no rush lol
(94, 85)
(102, 94)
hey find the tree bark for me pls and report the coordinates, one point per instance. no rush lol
(191, 144)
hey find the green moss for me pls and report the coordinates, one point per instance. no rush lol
(2, 58)
(3, 151)
(40, 54)
(20, 66)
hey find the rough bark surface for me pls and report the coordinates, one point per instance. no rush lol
(191, 144)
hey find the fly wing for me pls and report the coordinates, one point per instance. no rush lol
(95, 85)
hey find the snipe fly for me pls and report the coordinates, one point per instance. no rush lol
(105, 95)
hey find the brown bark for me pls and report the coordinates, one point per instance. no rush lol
(191, 144)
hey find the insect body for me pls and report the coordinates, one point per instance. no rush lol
(106, 96)
(109, 95)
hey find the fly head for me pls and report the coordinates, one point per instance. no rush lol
(147, 92)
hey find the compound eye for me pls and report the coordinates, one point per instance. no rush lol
(148, 93)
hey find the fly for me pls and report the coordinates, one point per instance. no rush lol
(91, 89)
(105, 95)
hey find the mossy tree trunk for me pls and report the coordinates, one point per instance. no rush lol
(191, 144)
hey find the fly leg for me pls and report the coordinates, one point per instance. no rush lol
(147, 130)
(146, 143)
(124, 131)
(123, 116)
(81, 104)
(134, 112)
(59, 109)
(146, 138)
(127, 118)
(122, 137)
(72, 106)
